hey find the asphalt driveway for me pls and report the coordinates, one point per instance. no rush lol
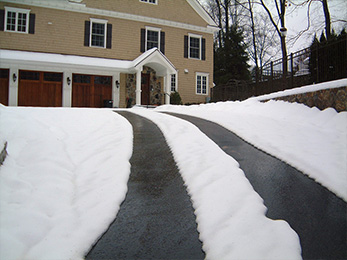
(156, 220)
(315, 213)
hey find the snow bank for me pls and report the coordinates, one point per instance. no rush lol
(230, 214)
(305, 89)
(311, 140)
(63, 179)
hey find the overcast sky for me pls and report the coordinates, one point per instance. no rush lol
(296, 20)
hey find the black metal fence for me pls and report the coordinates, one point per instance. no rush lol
(320, 63)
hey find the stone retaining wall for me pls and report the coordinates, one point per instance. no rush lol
(322, 99)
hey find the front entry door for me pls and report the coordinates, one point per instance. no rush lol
(145, 87)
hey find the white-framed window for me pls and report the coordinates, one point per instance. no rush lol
(202, 83)
(194, 46)
(150, 1)
(152, 37)
(16, 20)
(173, 83)
(98, 32)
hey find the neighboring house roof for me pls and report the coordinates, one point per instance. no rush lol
(78, 6)
(152, 57)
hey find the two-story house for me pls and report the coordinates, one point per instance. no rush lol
(83, 53)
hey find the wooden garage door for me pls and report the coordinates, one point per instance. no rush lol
(91, 90)
(41, 89)
(4, 80)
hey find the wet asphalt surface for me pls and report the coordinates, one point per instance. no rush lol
(316, 214)
(156, 219)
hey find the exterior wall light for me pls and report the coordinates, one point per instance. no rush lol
(14, 77)
(68, 80)
(117, 84)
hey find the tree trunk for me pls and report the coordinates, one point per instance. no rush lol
(327, 19)
(254, 43)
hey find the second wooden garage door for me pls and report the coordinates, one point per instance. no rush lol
(91, 90)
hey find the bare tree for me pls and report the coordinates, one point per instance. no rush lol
(280, 28)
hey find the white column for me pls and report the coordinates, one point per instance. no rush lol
(67, 89)
(13, 87)
(138, 87)
(115, 90)
(167, 88)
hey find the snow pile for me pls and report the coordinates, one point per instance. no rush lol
(230, 214)
(311, 140)
(63, 179)
(305, 89)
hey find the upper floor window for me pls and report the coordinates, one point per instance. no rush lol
(152, 37)
(98, 33)
(194, 47)
(16, 20)
(150, 1)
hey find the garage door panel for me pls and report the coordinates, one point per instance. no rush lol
(42, 89)
(4, 85)
(51, 95)
(91, 90)
(29, 93)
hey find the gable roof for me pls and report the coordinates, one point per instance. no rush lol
(202, 12)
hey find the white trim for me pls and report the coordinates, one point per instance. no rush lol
(81, 8)
(191, 35)
(99, 21)
(17, 11)
(202, 74)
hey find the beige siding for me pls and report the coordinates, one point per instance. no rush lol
(173, 10)
(63, 32)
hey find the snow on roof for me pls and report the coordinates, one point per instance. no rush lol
(25, 56)
(153, 57)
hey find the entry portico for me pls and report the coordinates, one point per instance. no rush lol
(156, 60)
(98, 79)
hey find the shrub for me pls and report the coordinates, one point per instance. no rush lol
(175, 98)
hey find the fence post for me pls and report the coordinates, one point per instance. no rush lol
(317, 67)
(292, 72)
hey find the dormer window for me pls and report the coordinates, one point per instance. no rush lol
(150, 1)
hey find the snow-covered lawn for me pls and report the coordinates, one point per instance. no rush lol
(63, 180)
(311, 140)
(65, 175)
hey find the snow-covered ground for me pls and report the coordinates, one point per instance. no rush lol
(311, 140)
(66, 172)
(63, 180)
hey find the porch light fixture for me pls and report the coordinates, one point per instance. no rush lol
(68, 80)
(14, 77)
(117, 84)
(283, 32)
